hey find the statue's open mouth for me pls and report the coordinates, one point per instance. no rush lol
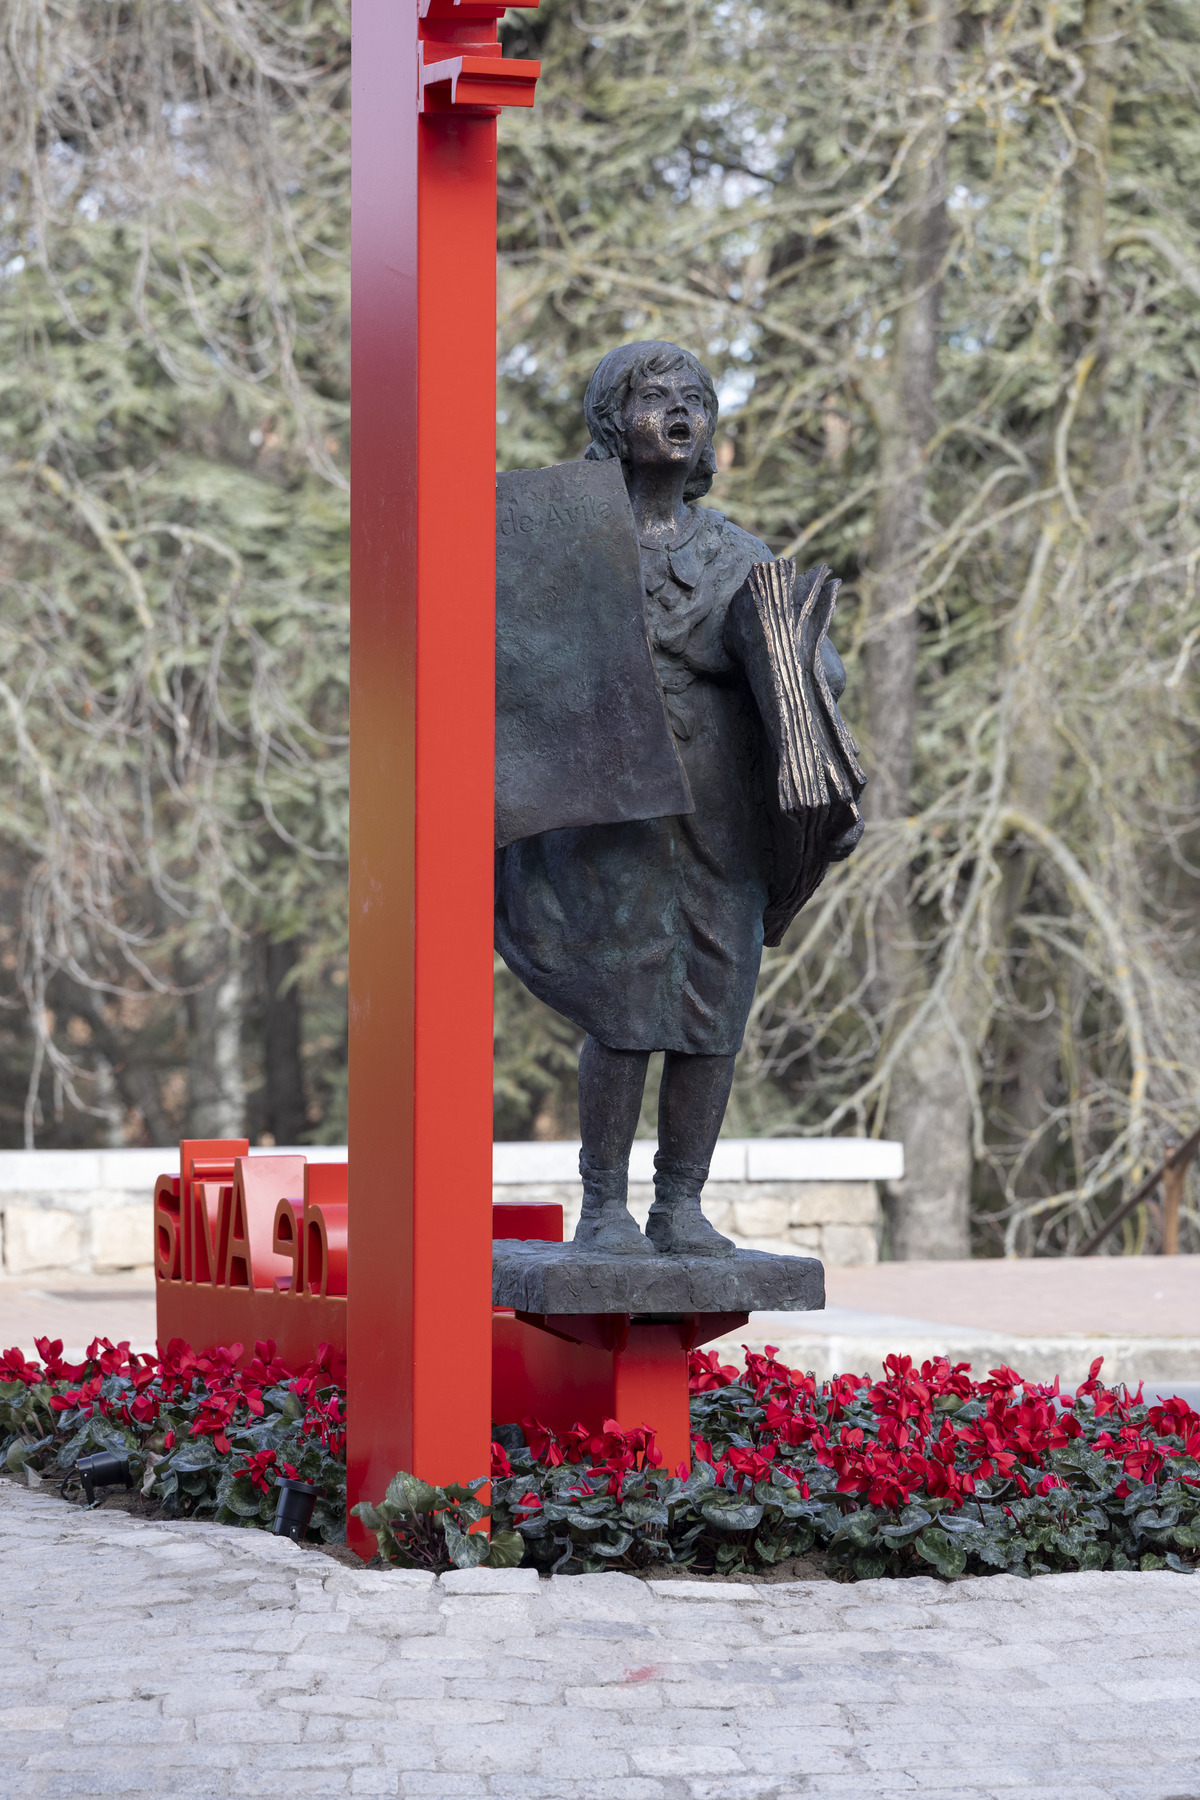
(679, 433)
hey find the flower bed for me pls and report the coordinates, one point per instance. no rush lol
(202, 1437)
(923, 1472)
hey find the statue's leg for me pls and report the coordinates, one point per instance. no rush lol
(691, 1106)
(610, 1104)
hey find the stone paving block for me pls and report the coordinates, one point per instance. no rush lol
(396, 1582)
(624, 1697)
(565, 1657)
(32, 1718)
(440, 1785)
(732, 1593)
(409, 1681)
(126, 1731)
(444, 1650)
(375, 1781)
(685, 1759)
(482, 1749)
(1137, 1690)
(583, 1724)
(584, 1762)
(609, 1595)
(734, 1787)
(451, 1713)
(256, 1784)
(402, 1741)
(336, 1705)
(334, 1755)
(559, 1787)
(476, 1582)
(630, 1787)
(389, 1628)
(245, 1726)
(204, 1698)
(100, 1780)
(360, 1655)
(504, 1693)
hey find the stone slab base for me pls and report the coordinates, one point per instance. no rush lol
(557, 1278)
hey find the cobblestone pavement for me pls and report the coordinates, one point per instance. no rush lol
(155, 1660)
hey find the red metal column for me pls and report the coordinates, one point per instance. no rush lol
(422, 702)
(650, 1387)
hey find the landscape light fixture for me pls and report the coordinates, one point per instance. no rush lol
(104, 1469)
(293, 1515)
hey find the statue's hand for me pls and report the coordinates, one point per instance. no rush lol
(835, 669)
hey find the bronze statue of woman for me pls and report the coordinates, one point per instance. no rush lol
(648, 933)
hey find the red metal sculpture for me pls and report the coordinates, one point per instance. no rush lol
(251, 1247)
(427, 91)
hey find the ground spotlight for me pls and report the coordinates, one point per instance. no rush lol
(104, 1469)
(295, 1509)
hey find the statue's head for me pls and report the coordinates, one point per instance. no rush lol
(621, 376)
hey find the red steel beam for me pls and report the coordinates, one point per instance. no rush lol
(421, 758)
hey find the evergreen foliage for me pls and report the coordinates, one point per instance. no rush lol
(941, 258)
(173, 513)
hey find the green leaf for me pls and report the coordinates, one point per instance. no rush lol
(456, 1491)
(584, 1521)
(700, 1480)
(612, 1547)
(466, 1549)
(859, 1528)
(408, 1494)
(731, 1513)
(644, 1512)
(244, 1499)
(195, 1455)
(505, 1550)
(947, 1557)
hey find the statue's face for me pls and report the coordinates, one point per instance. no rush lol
(664, 423)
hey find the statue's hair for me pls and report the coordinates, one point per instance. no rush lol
(608, 390)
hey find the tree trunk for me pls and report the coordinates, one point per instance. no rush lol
(930, 1101)
(1087, 179)
(285, 1108)
(216, 1089)
(1035, 745)
(137, 1084)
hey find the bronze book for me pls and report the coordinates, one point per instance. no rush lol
(778, 621)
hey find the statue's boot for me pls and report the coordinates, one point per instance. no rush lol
(677, 1225)
(606, 1224)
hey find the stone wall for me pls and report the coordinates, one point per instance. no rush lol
(90, 1211)
(86, 1211)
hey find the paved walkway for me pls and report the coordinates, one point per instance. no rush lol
(146, 1660)
(77, 1308)
(1142, 1296)
(1082, 1296)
